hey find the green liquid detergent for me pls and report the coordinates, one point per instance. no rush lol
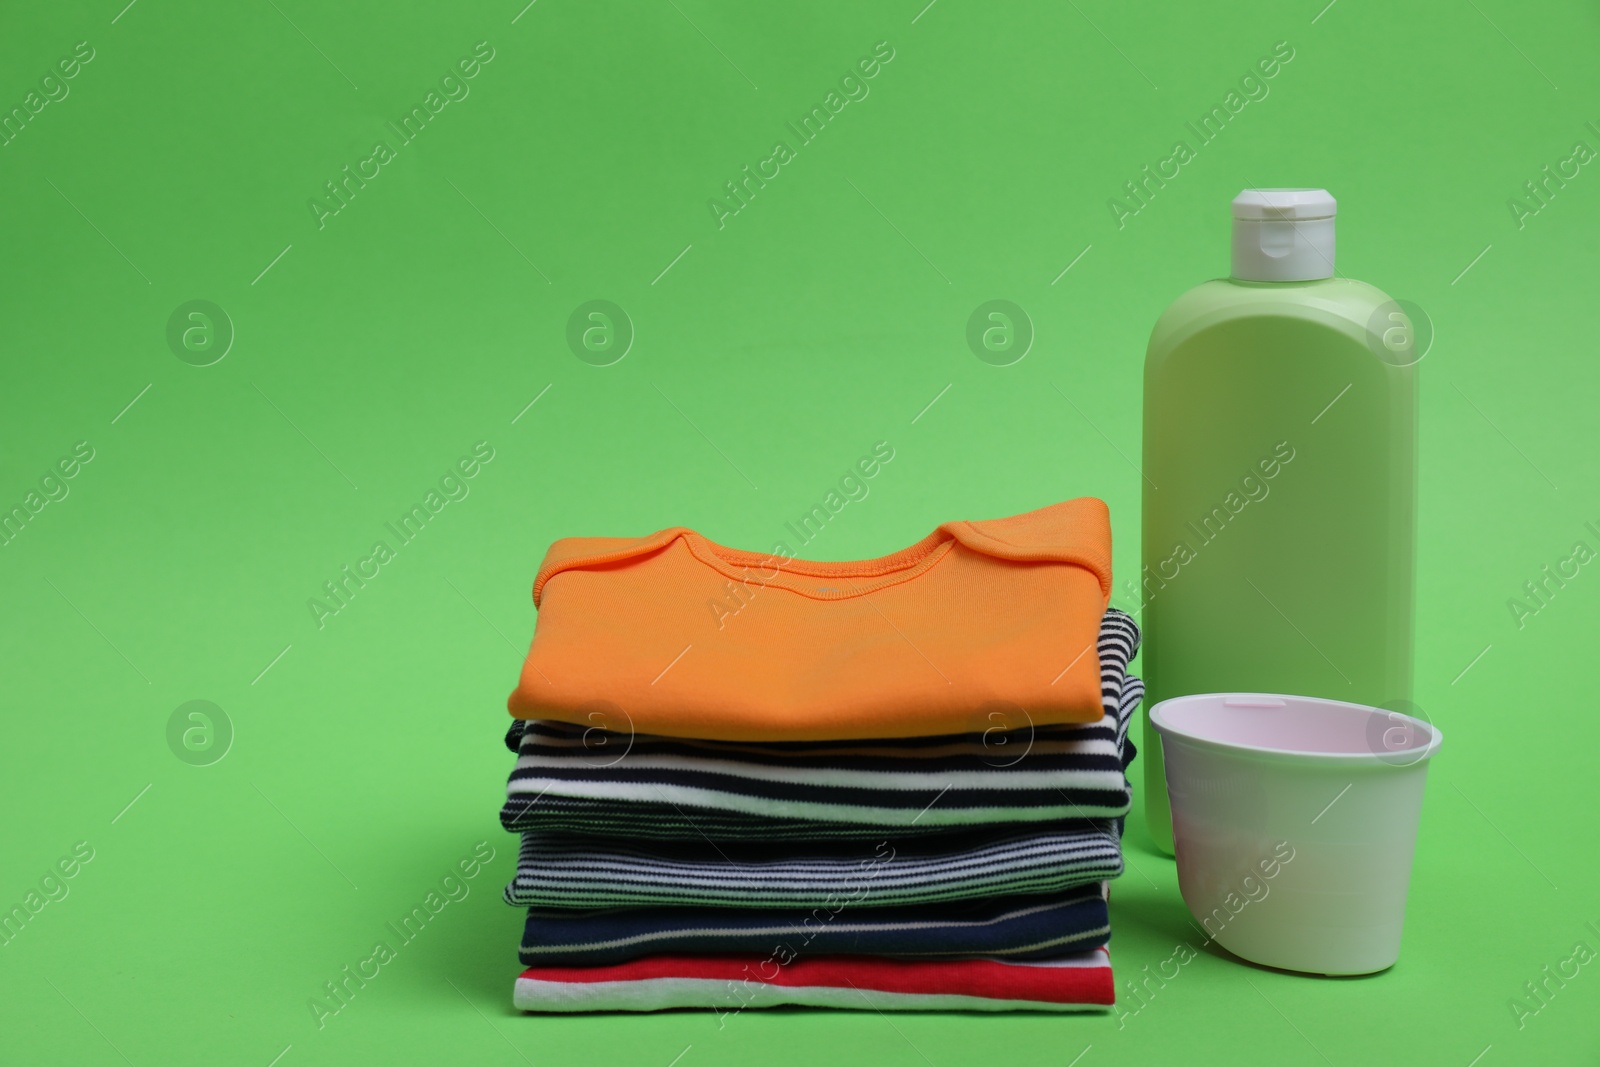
(1280, 452)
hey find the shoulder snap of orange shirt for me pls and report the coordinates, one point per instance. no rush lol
(979, 623)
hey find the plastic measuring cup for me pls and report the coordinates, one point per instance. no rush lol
(1295, 821)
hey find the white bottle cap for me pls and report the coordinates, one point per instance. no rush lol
(1283, 235)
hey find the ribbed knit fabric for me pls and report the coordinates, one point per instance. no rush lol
(611, 784)
(729, 984)
(1029, 927)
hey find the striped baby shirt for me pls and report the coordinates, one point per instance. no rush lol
(1026, 927)
(1077, 982)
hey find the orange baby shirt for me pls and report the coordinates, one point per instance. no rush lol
(673, 634)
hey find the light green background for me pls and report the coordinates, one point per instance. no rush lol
(825, 316)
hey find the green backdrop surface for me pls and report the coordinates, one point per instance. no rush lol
(393, 213)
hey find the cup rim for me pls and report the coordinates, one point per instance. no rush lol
(1400, 759)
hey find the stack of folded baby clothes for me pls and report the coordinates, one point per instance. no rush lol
(747, 780)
